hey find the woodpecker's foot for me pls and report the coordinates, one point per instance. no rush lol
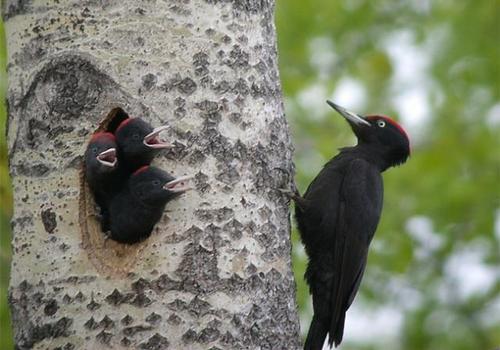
(293, 193)
(289, 193)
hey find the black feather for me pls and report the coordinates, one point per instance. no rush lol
(138, 207)
(101, 178)
(337, 218)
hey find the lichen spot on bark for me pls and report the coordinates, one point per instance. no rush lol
(108, 256)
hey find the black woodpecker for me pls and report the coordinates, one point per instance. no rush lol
(140, 204)
(101, 171)
(138, 143)
(338, 215)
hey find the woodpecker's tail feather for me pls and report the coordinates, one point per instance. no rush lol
(317, 334)
(338, 332)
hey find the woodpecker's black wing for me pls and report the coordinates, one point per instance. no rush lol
(361, 197)
(316, 222)
(317, 213)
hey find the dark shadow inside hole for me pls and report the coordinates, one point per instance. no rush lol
(114, 118)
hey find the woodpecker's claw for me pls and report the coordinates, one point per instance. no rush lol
(287, 192)
(153, 141)
(294, 194)
(179, 185)
(291, 193)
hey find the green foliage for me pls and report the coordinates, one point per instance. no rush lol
(5, 209)
(452, 179)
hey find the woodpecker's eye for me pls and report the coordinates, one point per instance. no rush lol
(94, 150)
(156, 182)
(380, 123)
(135, 137)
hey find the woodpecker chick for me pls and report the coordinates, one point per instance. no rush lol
(138, 143)
(139, 206)
(100, 171)
(338, 215)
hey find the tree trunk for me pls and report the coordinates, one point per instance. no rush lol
(216, 271)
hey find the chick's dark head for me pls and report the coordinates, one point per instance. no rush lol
(138, 142)
(155, 187)
(100, 155)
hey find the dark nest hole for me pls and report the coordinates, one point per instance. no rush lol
(114, 118)
(108, 256)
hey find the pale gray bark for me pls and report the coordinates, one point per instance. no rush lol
(216, 272)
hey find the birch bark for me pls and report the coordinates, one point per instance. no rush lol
(216, 272)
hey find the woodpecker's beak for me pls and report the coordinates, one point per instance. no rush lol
(108, 157)
(153, 141)
(352, 118)
(179, 185)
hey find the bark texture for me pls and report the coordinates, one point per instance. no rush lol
(216, 272)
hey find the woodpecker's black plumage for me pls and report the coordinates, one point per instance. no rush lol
(138, 143)
(337, 218)
(140, 204)
(100, 171)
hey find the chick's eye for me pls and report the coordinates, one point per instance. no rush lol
(156, 182)
(135, 136)
(94, 150)
(380, 123)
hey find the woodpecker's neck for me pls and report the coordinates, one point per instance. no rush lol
(372, 155)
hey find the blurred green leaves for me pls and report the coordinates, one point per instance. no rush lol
(5, 207)
(452, 179)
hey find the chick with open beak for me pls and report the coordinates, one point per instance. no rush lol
(153, 140)
(101, 171)
(132, 194)
(108, 158)
(141, 203)
(179, 185)
(138, 143)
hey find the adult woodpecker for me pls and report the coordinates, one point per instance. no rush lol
(138, 143)
(338, 215)
(100, 171)
(138, 207)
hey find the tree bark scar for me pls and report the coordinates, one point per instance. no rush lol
(108, 256)
(66, 89)
(67, 85)
(49, 220)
